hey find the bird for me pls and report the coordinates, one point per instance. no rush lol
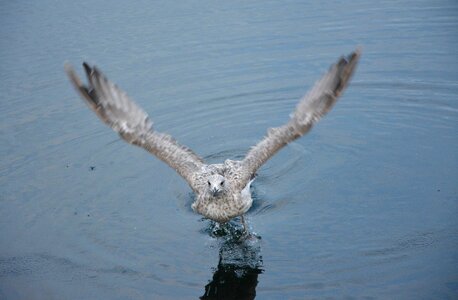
(222, 191)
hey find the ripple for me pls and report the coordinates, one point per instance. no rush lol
(425, 101)
(239, 110)
(403, 245)
(221, 156)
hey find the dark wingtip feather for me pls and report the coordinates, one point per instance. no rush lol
(87, 68)
(98, 74)
(357, 53)
(74, 79)
(346, 67)
(353, 59)
(84, 91)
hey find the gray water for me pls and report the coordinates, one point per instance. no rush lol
(363, 207)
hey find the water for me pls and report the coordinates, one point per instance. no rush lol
(362, 207)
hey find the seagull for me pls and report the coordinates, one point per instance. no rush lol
(222, 190)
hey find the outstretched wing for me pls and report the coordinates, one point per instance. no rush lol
(315, 104)
(115, 109)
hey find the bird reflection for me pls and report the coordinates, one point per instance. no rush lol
(240, 263)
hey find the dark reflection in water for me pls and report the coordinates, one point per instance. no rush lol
(240, 263)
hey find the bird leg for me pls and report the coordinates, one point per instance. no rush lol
(245, 227)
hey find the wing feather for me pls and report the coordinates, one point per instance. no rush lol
(314, 105)
(117, 110)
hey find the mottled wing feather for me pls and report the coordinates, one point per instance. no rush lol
(314, 105)
(117, 110)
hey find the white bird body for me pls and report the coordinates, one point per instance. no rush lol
(222, 190)
(229, 200)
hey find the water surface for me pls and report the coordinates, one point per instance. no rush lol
(364, 206)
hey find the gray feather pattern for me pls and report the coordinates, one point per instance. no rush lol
(117, 110)
(314, 105)
(222, 190)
